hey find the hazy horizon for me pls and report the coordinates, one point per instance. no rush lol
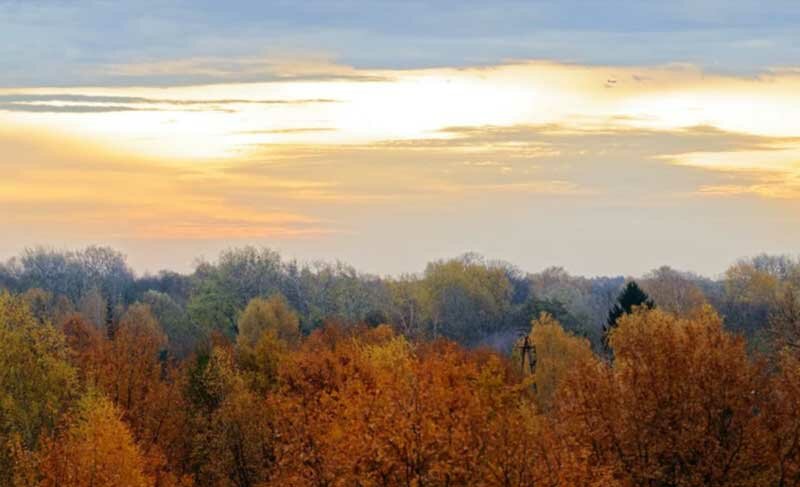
(187, 264)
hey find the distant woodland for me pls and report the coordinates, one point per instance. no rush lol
(255, 370)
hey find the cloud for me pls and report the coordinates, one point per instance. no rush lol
(213, 70)
(544, 187)
(80, 103)
(291, 130)
(37, 108)
(71, 98)
(773, 191)
(532, 103)
(611, 134)
(608, 163)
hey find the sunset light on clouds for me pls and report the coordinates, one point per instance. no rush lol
(388, 164)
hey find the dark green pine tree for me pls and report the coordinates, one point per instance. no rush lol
(630, 297)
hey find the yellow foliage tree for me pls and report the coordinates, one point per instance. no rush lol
(782, 421)
(784, 322)
(127, 368)
(36, 381)
(267, 330)
(678, 406)
(95, 449)
(262, 315)
(556, 352)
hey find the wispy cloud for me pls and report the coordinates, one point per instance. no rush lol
(543, 187)
(47, 108)
(782, 189)
(71, 98)
(79, 103)
(290, 130)
(207, 70)
(611, 133)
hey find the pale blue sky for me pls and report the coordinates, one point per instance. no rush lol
(63, 42)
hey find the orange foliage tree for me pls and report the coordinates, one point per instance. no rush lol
(682, 404)
(679, 405)
(377, 410)
(128, 369)
(95, 448)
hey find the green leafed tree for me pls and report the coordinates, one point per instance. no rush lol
(183, 333)
(468, 297)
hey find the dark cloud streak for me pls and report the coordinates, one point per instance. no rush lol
(34, 108)
(74, 98)
(74, 103)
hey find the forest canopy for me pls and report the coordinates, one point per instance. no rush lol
(254, 370)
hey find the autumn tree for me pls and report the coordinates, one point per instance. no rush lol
(37, 383)
(553, 354)
(753, 287)
(128, 368)
(88, 348)
(46, 307)
(370, 408)
(678, 406)
(272, 315)
(268, 328)
(95, 448)
(132, 367)
(229, 430)
(40, 303)
(239, 442)
(782, 423)
(673, 291)
(784, 321)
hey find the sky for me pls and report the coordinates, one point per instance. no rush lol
(605, 137)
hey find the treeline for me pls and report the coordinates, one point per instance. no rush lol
(467, 299)
(675, 400)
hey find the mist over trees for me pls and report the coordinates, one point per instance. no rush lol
(254, 371)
